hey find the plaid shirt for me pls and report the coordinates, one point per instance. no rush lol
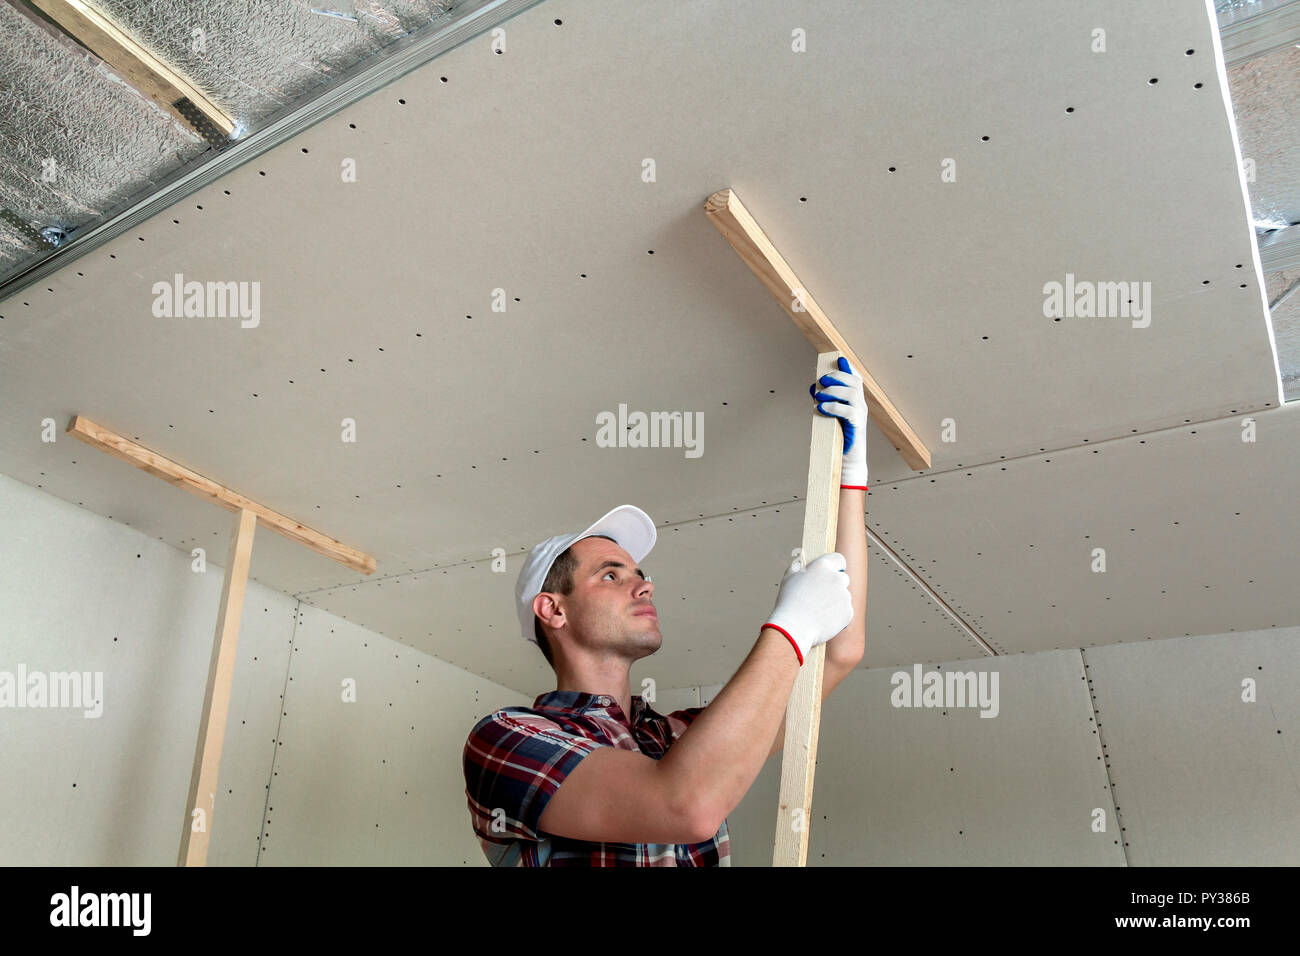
(517, 757)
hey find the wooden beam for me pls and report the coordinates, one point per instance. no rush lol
(733, 220)
(803, 712)
(180, 476)
(216, 699)
(140, 68)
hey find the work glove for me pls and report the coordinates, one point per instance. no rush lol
(813, 604)
(840, 395)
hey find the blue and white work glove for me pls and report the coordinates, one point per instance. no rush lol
(841, 395)
(813, 604)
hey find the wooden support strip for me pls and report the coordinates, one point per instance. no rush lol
(216, 699)
(733, 220)
(180, 476)
(140, 68)
(804, 709)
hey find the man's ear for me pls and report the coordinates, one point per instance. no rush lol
(548, 610)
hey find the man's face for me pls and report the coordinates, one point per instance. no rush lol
(611, 607)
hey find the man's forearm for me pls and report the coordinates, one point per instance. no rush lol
(848, 646)
(716, 761)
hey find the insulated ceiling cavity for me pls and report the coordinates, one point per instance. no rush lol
(80, 143)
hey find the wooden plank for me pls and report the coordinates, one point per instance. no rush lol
(803, 710)
(216, 699)
(733, 220)
(182, 477)
(140, 68)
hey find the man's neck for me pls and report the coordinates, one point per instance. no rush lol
(606, 681)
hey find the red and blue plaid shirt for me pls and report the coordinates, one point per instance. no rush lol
(517, 757)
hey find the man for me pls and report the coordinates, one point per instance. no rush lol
(591, 775)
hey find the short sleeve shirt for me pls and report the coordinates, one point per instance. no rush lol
(516, 758)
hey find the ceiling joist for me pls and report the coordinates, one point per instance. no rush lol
(733, 220)
(121, 447)
(140, 68)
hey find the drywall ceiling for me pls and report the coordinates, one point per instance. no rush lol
(1197, 524)
(522, 171)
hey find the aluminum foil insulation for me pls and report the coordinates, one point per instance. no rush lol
(77, 143)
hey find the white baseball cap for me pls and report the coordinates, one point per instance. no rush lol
(629, 526)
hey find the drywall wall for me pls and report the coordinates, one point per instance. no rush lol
(1158, 727)
(1154, 735)
(1202, 738)
(378, 781)
(80, 592)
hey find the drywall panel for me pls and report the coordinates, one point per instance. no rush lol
(921, 786)
(715, 583)
(562, 177)
(1196, 525)
(82, 593)
(376, 780)
(1203, 776)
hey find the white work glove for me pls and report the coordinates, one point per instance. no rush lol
(840, 395)
(813, 604)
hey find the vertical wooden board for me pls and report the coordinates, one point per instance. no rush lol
(803, 711)
(216, 699)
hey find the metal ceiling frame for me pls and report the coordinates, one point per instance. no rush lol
(1280, 249)
(1260, 34)
(397, 59)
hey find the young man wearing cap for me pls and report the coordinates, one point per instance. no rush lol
(591, 775)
